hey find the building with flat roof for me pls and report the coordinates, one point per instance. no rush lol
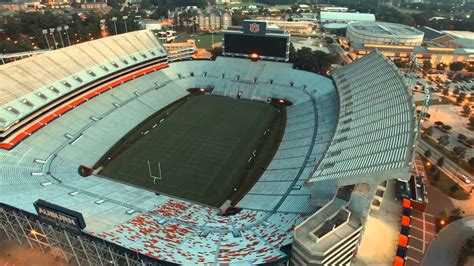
(371, 32)
(436, 55)
(344, 18)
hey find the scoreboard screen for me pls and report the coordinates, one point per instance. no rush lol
(262, 45)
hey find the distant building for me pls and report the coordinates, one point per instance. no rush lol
(150, 24)
(94, 4)
(343, 18)
(213, 19)
(334, 9)
(302, 17)
(300, 27)
(367, 32)
(17, 5)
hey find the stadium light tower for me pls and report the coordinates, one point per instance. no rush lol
(114, 20)
(51, 32)
(59, 29)
(125, 22)
(66, 28)
(45, 33)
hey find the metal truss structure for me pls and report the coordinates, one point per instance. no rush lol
(77, 248)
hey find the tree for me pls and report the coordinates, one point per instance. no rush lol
(329, 40)
(454, 188)
(309, 60)
(471, 162)
(440, 162)
(443, 140)
(459, 151)
(399, 63)
(445, 91)
(446, 127)
(460, 98)
(441, 67)
(462, 137)
(471, 121)
(428, 153)
(456, 91)
(216, 51)
(456, 66)
(427, 65)
(429, 131)
(466, 109)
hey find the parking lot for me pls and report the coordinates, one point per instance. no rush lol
(422, 232)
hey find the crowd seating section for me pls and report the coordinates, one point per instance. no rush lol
(32, 83)
(376, 118)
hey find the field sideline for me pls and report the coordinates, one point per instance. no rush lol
(203, 148)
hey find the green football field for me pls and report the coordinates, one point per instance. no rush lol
(203, 149)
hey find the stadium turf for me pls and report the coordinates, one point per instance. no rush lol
(203, 148)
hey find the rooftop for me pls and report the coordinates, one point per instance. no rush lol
(384, 28)
(347, 16)
(460, 34)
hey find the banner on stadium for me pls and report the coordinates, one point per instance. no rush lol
(59, 215)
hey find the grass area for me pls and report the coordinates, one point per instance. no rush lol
(203, 40)
(203, 148)
(440, 101)
(447, 153)
(445, 183)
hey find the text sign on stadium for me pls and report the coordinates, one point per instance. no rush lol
(59, 214)
(255, 27)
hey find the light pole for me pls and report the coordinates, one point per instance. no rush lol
(114, 19)
(59, 29)
(45, 32)
(125, 22)
(67, 34)
(51, 32)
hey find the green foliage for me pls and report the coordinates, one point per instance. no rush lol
(460, 98)
(216, 51)
(429, 131)
(456, 66)
(459, 151)
(454, 188)
(443, 140)
(440, 162)
(309, 60)
(445, 91)
(466, 109)
(427, 65)
(441, 66)
(428, 153)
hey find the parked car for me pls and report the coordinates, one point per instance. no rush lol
(465, 179)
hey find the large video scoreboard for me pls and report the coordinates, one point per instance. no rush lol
(255, 38)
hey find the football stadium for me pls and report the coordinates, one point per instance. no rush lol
(112, 152)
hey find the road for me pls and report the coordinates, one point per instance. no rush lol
(445, 247)
(451, 168)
